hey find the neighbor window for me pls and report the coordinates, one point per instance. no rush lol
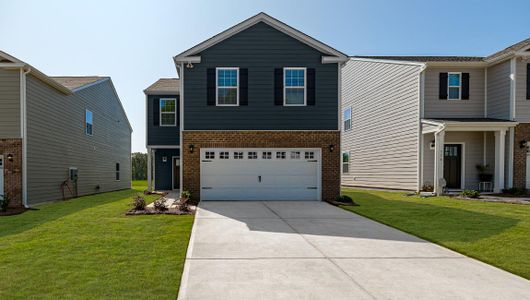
(454, 86)
(346, 118)
(89, 122)
(168, 112)
(294, 92)
(117, 171)
(345, 162)
(227, 86)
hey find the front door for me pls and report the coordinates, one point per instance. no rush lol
(176, 173)
(453, 165)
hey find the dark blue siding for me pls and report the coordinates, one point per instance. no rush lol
(163, 169)
(261, 49)
(157, 135)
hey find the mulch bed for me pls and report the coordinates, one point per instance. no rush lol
(12, 211)
(336, 203)
(171, 211)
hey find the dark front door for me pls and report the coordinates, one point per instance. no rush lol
(453, 165)
(176, 173)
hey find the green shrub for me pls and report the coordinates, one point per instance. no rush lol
(160, 205)
(4, 202)
(138, 202)
(470, 194)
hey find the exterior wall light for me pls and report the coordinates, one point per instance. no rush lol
(331, 148)
(10, 157)
(523, 144)
(191, 148)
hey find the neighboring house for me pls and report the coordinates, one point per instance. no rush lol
(53, 129)
(430, 120)
(258, 117)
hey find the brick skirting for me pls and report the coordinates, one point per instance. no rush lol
(522, 132)
(12, 170)
(263, 139)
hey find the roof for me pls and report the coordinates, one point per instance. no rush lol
(429, 58)
(76, 82)
(510, 50)
(265, 18)
(164, 85)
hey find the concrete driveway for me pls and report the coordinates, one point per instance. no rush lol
(312, 250)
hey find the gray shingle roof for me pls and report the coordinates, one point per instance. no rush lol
(164, 85)
(511, 49)
(75, 82)
(429, 58)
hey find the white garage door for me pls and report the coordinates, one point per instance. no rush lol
(260, 174)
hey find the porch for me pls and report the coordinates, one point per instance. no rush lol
(451, 149)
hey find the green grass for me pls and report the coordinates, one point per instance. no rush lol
(86, 248)
(496, 233)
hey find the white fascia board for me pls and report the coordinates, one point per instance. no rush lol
(11, 65)
(333, 59)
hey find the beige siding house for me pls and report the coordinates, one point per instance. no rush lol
(472, 112)
(60, 136)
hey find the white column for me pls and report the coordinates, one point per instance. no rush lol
(149, 180)
(509, 167)
(500, 140)
(439, 141)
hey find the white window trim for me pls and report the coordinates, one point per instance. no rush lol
(285, 86)
(217, 85)
(342, 162)
(86, 122)
(167, 113)
(344, 120)
(453, 86)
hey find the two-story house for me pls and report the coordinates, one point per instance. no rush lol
(258, 116)
(60, 137)
(412, 122)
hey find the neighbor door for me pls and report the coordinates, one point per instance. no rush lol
(453, 165)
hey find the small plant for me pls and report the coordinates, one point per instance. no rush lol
(160, 205)
(344, 199)
(515, 191)
(470, 194)
(427, 187)
(138, 202)
(185, 196)
(483, 174)
(4, 202)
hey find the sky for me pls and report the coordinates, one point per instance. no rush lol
(134, 41)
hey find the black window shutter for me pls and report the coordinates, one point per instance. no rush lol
(278, 86)
(156, 112)
(311, 99)
(210, 86)
(443, 86)
(243, 86)
(527, 81)
(465, 86)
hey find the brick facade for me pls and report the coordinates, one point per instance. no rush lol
(12, 170)
(522, 132)
(263, 139)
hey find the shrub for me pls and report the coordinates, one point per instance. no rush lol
(344, 199)
(427, 187)
(515, 191)
(470, 194)
(160, 205)
(138, 202)
(4, 202)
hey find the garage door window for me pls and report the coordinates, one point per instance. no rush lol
(266, 155)
(224, 155)
(253, 155)
(310, 155)
(295, 154)
(281, 155)
(238, 155)
(209, 155)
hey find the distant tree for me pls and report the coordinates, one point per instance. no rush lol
(139, 166)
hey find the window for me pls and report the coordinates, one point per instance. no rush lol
(209, 155)
(266, 155)
(227, 93)
(454, 86)
(238, 155)
(168, 112)
(253, 155)
(89, 121)
(346, 118)
(117, 171)
(294, 92)
(295, 154)
(309, 155)
(224, 155)
(280, 155)
(345, 162)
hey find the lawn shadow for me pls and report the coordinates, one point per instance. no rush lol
(48, 212)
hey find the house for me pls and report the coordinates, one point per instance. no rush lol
(410, 122)
(255, 117)
(60, 137)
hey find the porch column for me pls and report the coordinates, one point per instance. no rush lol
(149, 180)
(500, 142)
(439, 141)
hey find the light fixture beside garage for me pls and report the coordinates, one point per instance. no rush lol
(191, 148)
(331, 148)
(10, 157)
(524, 144)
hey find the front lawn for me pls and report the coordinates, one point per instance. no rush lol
(86, 248)
(496, 233)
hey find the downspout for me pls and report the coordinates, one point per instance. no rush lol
(24, 131)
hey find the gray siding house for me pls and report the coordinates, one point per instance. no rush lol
(60, 137)
(255, 115)
(415, 122)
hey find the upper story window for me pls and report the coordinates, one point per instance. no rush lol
(168, 112)
(227, 91)
(346, 119)
(294, 91)
(89, 122)
(454, 86)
